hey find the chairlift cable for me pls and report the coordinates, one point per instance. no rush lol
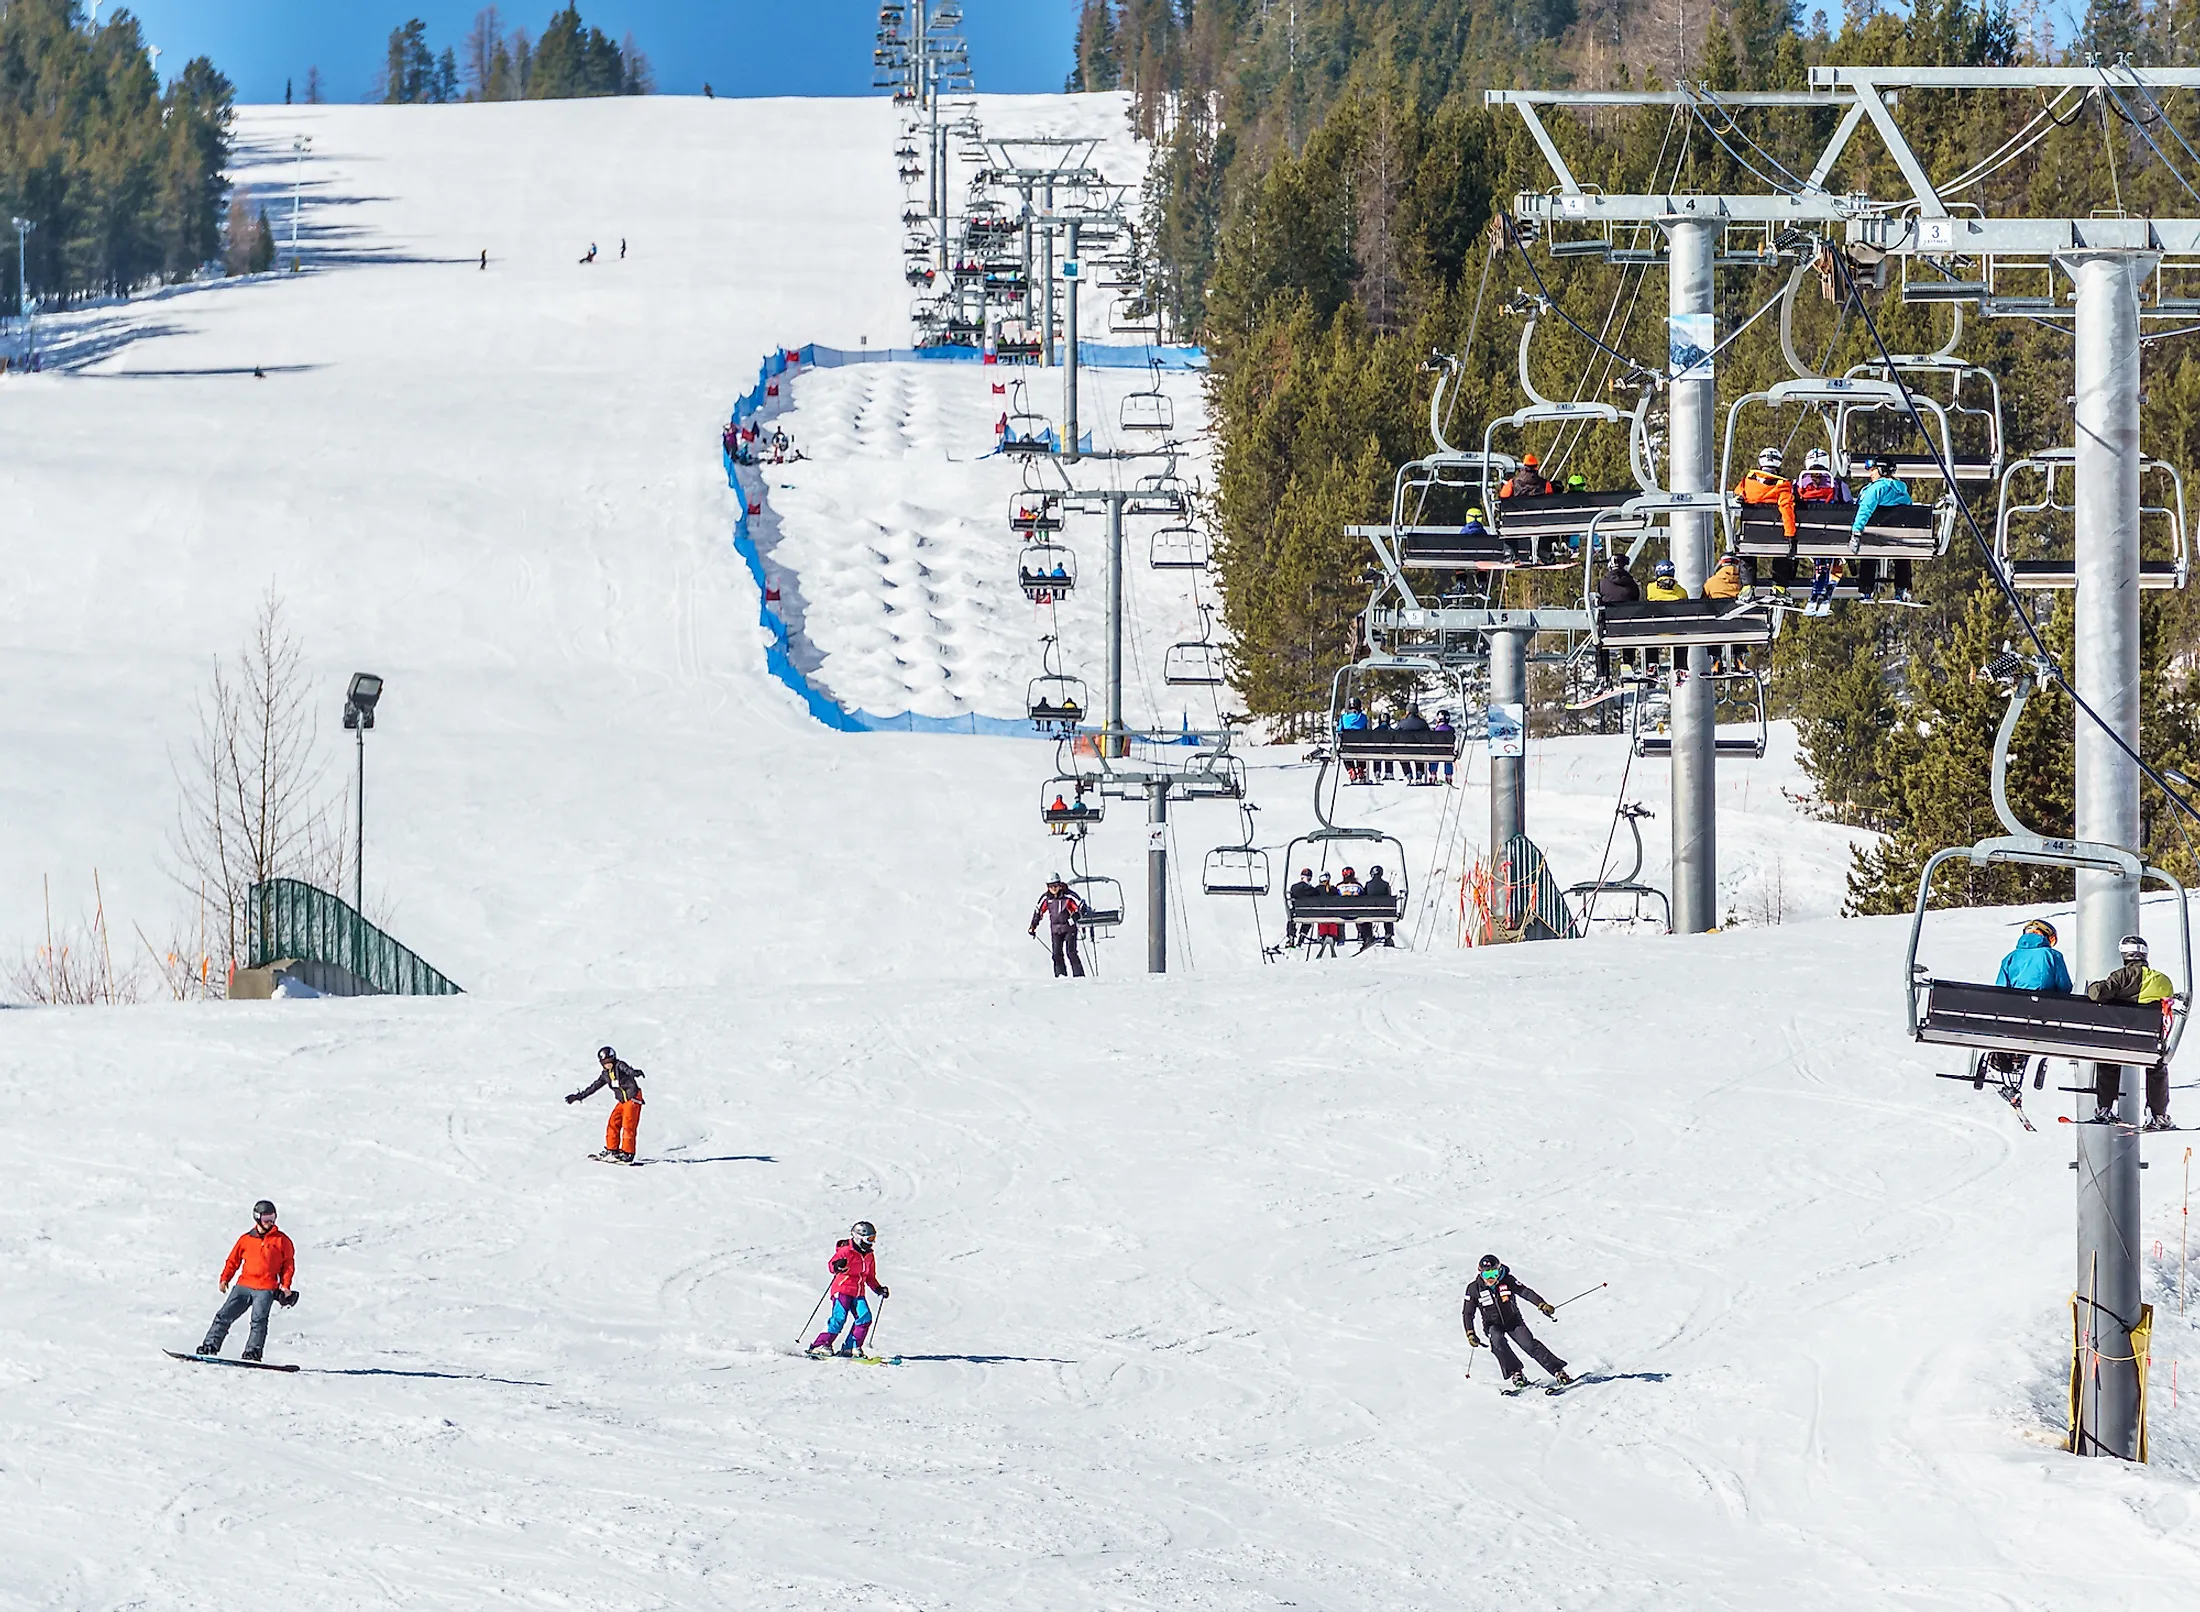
(1700, 96)
(2168, 122)
(2148, 138)
(1512, 236)
(1753, 170)
(2001, 580)
(2010, 149)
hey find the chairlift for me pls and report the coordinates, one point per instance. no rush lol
(1148, 409)
(1971, 429)
(2000, 1018)
(1528, 522)
(2053, 466)
(1029, 432)
(1196, 663)
(1211, 775)
(1585, 899)
(1035, 512)
(1323, 850)
(1432, 743)
(1055, 701)
(1236, 870)
(1742, 735)
(1099, 898)
(1046, 571)
(1179, 546)
(1063, 803)
(1658, 624)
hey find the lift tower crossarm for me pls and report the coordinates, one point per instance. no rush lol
(1644, 209)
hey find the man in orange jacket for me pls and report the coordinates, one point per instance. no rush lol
(264, 1262)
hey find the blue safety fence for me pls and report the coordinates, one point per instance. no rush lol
(777, 660)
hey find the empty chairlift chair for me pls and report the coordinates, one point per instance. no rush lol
(2163, 558)
(1739, 730)
(1099, 902)
(1196, 663)
(1236, 870)
(1148, 409)
(1179, 546)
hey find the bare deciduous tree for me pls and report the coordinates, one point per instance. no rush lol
(75, 967)
(252, 807)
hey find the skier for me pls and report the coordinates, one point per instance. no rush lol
(591, 257)
(2136, 981)
(622, 249)
(1526, 482)
(264, 1263)
(2032, 965)
(855, 1269)
(1060, 909)
(1300, 891)
(625, 1082)
(1494, 1299)
(1376, 888)
(1616, 586)
(1884, 489)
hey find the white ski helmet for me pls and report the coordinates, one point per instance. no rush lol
(2133, 948)
(863, 1234)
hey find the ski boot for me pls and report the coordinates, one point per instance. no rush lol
(622, 1157)
(210, 1349)
(2106, 1116)
(251, 1354)
(1518, 1379)
(1564, 1379)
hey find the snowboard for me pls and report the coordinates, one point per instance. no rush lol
(224, 1360)
(605, 1158)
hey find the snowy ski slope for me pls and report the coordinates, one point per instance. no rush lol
(1176, 1263)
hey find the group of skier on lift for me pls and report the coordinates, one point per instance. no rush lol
(2035, 964)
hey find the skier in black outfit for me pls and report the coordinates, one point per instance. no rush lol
(1060, 909)
(1495, 1299)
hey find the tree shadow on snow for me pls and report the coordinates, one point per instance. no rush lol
(392, 1371)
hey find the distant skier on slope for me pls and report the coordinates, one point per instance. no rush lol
(1494, 1300)
(625, 1082)
(264, 1263)
(854, 1267)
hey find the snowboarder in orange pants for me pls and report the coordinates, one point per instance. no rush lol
(625, 1082)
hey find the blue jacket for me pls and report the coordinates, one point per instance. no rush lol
(2035, 966)
(1886, 490)
(1352, 720)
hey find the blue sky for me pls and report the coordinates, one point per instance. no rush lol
(742, 47)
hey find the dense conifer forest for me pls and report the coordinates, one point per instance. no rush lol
(1326, 212)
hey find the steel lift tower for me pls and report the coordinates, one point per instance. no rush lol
(2104, 273)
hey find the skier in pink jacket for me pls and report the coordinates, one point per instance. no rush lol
(855, 1269)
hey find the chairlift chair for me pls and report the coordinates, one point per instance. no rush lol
(1076, 810)
(1742, 736)
(1236, 870)
(2060, 571)
(1325, 850)
(1180, 546)
(1148, 409)
(1212, 775)
(1974, 429)
(1431, 746)
(1657, 624)
(1099, 902)
(1583, 899)
(1999, 1018)
(1035, 513)
(1055, 703)
(1045, 571)
(1029, 432)
(1196, 663)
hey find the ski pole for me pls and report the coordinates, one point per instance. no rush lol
(878, 1314)
(1562, 1303)
(1473, 1343)
(819, 1305)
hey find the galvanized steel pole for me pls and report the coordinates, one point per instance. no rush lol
(1072, 272)
(1693, 467)
(1157, 875)
(1508, 774)
(2106, 495)
(1111, 739)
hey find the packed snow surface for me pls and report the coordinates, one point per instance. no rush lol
(1176, 1262)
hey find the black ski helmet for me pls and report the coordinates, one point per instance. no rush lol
(605, 1055)
(863, 1234)
(263, 1207)
(1491, 1264)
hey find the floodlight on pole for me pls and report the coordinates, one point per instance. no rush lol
(359, 703)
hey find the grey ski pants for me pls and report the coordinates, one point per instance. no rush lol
(241, 1298)
(1501, 1345)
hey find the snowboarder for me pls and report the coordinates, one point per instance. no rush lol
(2135, 981)
(263, 1263)
(1060, 909)
(625, 1082)
(1494, 1300)
(591, 257)
(855, 1269)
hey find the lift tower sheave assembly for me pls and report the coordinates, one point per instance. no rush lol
(2096, 272)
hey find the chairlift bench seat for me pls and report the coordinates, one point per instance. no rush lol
(1456, 548)
(1567, 515)
(2063, 573)
(2000, 1018)
(1077, 813)
(1389, 744)
(1682, 624)
(1895, 532)
(1339, 908)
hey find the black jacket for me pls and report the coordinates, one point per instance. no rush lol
(1377, 886)
(622, 1077)
(1497, 1304)
(1618, 587)
(1413, 722)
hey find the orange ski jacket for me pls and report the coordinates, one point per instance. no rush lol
(1762, 487)
(262, 1259)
